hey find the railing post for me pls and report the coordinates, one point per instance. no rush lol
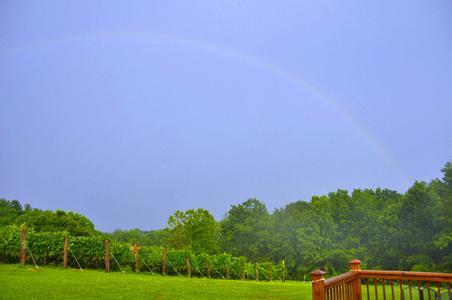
(65, 251)
(107, 257)
(355, 266)
(318, 285)
(23, 245)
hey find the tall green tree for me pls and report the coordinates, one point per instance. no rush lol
(194, 229)
(246, 230)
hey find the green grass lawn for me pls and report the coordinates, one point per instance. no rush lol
(54, 283)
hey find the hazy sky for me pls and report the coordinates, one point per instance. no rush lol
(128, 110)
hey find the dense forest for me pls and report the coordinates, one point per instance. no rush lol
(383, 228)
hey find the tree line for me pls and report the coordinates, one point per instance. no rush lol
(384, 228)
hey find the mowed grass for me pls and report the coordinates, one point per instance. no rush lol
(55, 283)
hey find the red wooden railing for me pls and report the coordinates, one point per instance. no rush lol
(360, 284)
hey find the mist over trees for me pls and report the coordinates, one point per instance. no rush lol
(383, 228)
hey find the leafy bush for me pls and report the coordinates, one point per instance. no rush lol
(46, 247)
(151, 259)
(9, 244)
(90, 251)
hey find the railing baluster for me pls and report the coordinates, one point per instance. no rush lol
(367, 289)
(342, 292)
(347, 291)
(383, 285)
(351, 290)
(439, 290)
(376, 288)
(402, 295)
(411, 291)
(428, 290)
(350, 294)
(420, 290)
(392, 290)
(448, 290)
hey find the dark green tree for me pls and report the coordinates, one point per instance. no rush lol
(194, 229)
(246, 230)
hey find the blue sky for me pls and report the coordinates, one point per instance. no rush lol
(128, 110)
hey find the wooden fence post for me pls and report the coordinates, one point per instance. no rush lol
(257, 272)
(65, 247)
(228, 270)
(283, 271)
(107, 256)
(355, 266)
(242, 271)
(318, 285)
(23, 245)
(270, 272)
(209, 270)
(165, 252)
(136, 255)
(187, 261)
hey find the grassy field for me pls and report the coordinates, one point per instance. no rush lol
(55, 283)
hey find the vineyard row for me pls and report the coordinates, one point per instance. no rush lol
(60, 249)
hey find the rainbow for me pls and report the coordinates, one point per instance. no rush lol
(234, 54)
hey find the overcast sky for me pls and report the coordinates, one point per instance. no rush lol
(126, 111)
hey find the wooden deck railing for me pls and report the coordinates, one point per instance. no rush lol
(360, 284)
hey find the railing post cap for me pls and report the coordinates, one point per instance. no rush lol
(355, 265)
(318, 273)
